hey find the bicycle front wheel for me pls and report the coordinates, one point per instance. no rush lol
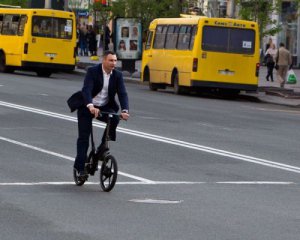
(108, 173)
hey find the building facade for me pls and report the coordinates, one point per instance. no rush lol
(289, 20)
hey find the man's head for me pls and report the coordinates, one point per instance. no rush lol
(281, 44)
(109, 61)
(125, 32)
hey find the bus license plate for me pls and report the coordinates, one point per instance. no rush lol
(51, 55)
(226, 72)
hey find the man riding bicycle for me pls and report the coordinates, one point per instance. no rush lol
(102, 82)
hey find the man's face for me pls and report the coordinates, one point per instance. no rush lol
(109, 62)
(125, 31)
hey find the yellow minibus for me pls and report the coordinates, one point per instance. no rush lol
(39, 40)
(200, 52)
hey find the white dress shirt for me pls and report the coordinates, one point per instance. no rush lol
(102, 97)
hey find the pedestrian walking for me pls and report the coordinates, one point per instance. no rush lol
(77, 40)
(269, 44)
(83, 43)
(284, 62)
(270, 57)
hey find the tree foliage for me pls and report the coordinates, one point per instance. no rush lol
(261, 11)
(146, 10)
(22, 3)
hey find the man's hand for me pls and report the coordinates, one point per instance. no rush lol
(94, 111)
(124, 116)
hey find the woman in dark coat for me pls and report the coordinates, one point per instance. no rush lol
(91, 36)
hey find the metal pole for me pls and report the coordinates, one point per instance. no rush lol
(214, 8)
(104, 34)
(232, 9)
(47, 3)
(66, 5)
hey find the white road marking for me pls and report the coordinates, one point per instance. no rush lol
(171, 141)
(68, 158)
(278, 110)
(257, 183)
(147, 183)
(155, 201)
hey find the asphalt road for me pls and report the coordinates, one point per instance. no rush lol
(191, 167)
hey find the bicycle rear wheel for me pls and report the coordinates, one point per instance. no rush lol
(108, 173)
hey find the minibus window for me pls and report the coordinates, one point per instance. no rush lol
(241, 41)
(149, 40)
(172, 35)
(194, 32)
(52, 27)
(10, 24)
(229, 40)
(215, 39)
(184, 37)
(22, 25)
(160, 36)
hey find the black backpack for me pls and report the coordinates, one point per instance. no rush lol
(269, 59)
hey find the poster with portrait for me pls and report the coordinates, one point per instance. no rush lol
(128, 38)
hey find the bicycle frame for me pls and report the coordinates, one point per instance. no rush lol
(109, 167)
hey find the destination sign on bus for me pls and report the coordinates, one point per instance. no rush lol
(229, 24)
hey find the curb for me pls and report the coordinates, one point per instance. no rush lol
(284, 94)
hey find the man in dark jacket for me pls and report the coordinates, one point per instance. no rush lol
(102, 82)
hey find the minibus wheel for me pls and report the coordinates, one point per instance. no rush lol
(177, 89)
(146, 78)
(2, 62)
(3, 67)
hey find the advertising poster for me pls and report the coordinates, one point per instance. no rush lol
(128, 41)
(78, 4)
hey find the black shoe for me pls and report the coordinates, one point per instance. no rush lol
(83, 175)
(267, 79)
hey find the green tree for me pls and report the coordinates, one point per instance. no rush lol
(147, 10)
(22, 3)
(260, 11)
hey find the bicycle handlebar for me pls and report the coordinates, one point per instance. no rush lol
(110, 114)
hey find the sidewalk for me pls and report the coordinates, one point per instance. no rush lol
(272, 93)
(269, 92)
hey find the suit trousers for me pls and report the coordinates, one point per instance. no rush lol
(84, 131)
(281, 74)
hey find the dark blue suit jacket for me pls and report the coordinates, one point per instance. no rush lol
(93, 84)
